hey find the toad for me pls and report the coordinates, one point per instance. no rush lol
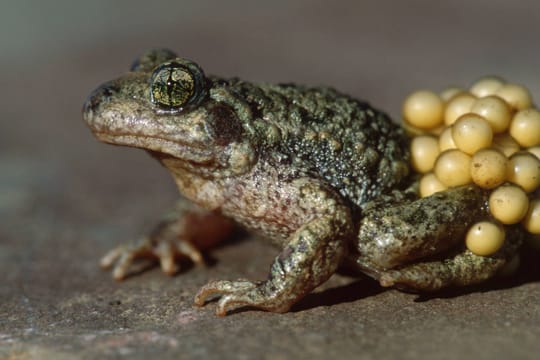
(324, 176)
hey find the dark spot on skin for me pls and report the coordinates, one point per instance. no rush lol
(256, 110)
(302, 247)
(223, 124)
(107, 92)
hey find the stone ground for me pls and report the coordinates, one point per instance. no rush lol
(65, 199)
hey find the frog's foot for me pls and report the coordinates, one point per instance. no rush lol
(309, 259)
(464, 268)
(235, 294)
(123, 257)
(180, 235)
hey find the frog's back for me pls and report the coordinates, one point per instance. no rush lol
(357, 149)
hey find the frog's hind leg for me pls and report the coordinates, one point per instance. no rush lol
(464, 268)
(393, 236)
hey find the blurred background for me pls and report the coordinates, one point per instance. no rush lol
(65, 199)
(54, 53)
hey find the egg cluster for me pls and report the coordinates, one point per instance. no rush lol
(488, 135)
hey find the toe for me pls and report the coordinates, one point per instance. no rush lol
(122, 266)
(168, 264)
(166, 255)
(109, 258)
(387, 280)
(223, 288)
(235, 301)
(210, 289)
(226, 303)
(188, 249)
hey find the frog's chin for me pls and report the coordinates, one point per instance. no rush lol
(177, 150)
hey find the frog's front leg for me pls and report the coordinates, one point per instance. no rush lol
(182, 233)
(311, 255)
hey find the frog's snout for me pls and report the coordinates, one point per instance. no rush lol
(100, 95)
(93, 106)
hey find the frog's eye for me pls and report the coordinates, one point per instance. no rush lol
(177, 84)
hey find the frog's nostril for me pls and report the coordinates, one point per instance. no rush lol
(91, 104)
(105, 92)
(99, 96)
(89, 109)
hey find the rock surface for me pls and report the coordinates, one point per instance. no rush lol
(65, 199)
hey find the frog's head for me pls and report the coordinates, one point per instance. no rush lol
(167, 105)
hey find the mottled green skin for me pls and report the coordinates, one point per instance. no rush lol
(319, 132)
(321, 174)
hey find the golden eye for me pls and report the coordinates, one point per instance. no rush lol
(177, 84)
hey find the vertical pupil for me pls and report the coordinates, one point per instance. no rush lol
(170, 85)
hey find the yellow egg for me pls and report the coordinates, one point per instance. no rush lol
(452, 168)
(471, 133)
(457, 106)
(495, 110)
(429, 184)
(489, 168)
(515, 95)
(486, 86)
(424, 152)
(506, 144)
(525, 127)
(446, 142)
(485, 238)
(508, 204)
(423, 109)
(524, 170)
(449, 93)
(535, 151)
(532, 218)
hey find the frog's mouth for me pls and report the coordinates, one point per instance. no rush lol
(178, 150)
